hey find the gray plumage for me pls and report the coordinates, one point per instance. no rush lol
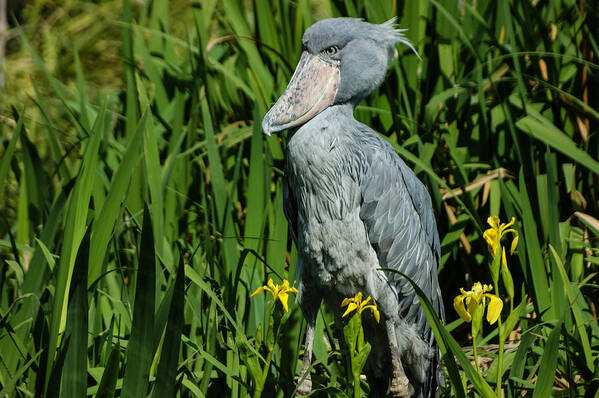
(354, 206)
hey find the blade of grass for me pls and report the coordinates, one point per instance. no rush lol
(580, 324)
(73, 234)
(140, 350)
(544, 384)
(132, 105)
(116, 195)
(542, 129)
(153, 176)
(217, 181)
(167, 368)
(536, 262)
(107, 386)
(74, 371)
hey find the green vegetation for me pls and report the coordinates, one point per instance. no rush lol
(141, 205)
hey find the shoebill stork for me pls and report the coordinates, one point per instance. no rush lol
(354, 206)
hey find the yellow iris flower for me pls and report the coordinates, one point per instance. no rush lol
(475, 297)
(356, 303)
(279, 292)
(494, 234)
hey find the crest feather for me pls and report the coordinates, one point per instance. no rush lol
(390, 32)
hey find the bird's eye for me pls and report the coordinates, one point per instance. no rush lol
(330, 51)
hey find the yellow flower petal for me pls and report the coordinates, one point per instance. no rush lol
(279, 292)
(283, 299)
(503, 259)
(377, 314)
(490, 235)
(350, 308)
(259, 290)
(503, 227)
(493, 221)
(494, 309)
(458, 304)
(494, 234)
(514, 241)
(356, 302)
(477, 291)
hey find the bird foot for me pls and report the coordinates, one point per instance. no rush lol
(305, 387)
(400, 385)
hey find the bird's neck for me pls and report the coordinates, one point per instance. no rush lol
(343, 110)
(337, 115)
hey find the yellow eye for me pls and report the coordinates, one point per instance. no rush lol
(330, 51)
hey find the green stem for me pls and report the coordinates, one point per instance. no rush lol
(474, 352)
(357, 385)
(260, 383)
(500, 353)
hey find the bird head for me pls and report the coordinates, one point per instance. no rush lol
(343, 60)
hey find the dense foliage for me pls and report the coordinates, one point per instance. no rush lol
(142, 205)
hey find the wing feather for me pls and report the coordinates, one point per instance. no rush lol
(397, 212)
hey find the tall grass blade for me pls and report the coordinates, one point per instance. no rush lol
(536, 264)
(73, 234)
(74, 372)
(140, 350)
(107, 386)
(572, 294)
(544, 384)
(116, 195)
(167, 368)
(541, 129)
(132, 104)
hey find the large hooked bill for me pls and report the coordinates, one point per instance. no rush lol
(311, 90)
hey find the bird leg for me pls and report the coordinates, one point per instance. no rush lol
(305, 386)
(400, 386)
